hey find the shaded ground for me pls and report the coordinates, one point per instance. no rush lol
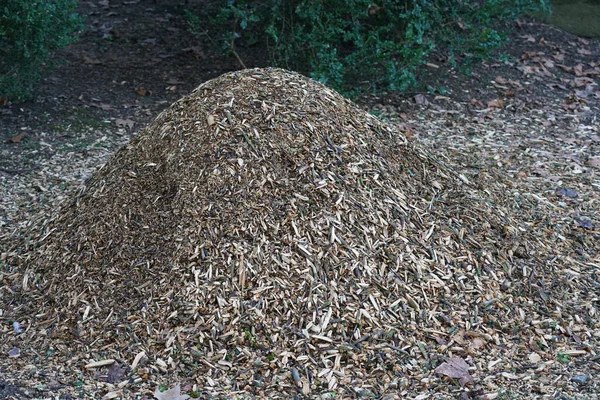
(526, 125)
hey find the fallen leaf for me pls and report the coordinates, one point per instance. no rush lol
(534, 358)
(421, 99)
(115, 373)
(171, 394)
(91, 61)
(124, 122)
(478, 343)
(594, 162)
(17, 138)
(584, 223)
(196, 51)
(373, 9)
(548, 63)
(582, 82)
(142, 91)
(14, 352)
(585, 52)
(497, 103)
(566, 192)
(528, 38)
(476, 103)
(455, 368)
(501, 80)
(111, 395)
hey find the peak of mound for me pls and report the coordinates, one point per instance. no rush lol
(265, 219)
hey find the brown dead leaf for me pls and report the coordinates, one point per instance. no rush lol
(497, 103)
(519, 23)
(142, 91)
(478, 343)
(124, 122)
(91, 61)
(476, 103)
(197, 51)
(548, 63)
(16, 138)
(455, 368)
(373, 9)
(594, 162)
(408, 131)
(534, 358)
(115, 373)
(528, 38)
(581, 82)
(500, 80)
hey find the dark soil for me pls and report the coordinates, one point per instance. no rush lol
(137, 57)
(133, 59)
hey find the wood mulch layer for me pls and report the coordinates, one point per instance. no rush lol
(266, 237)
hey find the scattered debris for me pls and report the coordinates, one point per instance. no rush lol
(170, 394)
(455, 368)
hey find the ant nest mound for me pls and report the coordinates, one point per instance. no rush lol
(264, 224)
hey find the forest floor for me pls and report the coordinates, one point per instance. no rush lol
(528, 123)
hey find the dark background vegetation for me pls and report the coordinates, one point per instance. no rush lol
(354, 46)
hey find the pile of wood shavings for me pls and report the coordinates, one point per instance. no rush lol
(264, 235)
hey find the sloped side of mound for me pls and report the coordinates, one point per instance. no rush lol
(265, 219)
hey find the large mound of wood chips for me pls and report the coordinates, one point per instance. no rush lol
(264, 224)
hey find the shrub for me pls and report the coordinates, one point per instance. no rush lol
(29, 31)
(353, 45)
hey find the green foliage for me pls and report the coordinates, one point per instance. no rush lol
(357, 45)
(29, 31)
(562, 358)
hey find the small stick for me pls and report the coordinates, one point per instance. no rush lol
(15, 171)
(232, 46)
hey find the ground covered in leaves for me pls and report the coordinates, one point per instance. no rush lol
(449, 252)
